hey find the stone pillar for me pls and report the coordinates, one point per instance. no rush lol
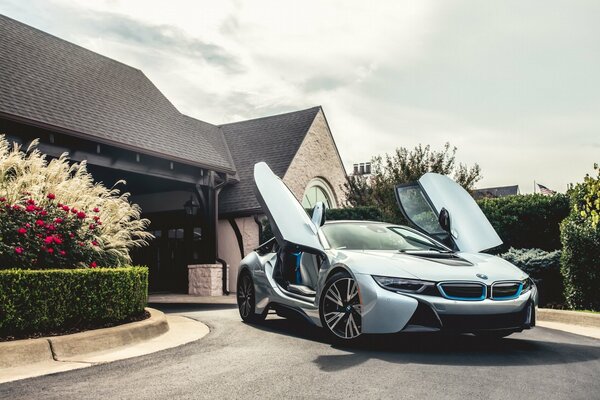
(205, 280)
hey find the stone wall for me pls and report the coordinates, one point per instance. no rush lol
(205, 280)
(317, 157)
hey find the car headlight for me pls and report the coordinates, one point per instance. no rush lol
(402, 285)
(527, 285)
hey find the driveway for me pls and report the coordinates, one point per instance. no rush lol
(286, 359)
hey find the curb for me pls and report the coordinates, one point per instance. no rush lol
(55, 348)
(22, 352)
(569, 317)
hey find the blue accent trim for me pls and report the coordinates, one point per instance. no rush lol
(514, 296)
(482, 297)
(298, 273)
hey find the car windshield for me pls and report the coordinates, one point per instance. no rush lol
(373, 236)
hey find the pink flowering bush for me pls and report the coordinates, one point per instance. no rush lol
(53, 215)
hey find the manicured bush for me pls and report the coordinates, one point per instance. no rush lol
(53, 215)
(580, 265)
(46, 301)
(527, 221)
(544, 268)
(580, 236)
(356, 213)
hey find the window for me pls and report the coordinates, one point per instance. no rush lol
(318, 190)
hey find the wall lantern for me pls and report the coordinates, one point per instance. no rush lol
(191, 207)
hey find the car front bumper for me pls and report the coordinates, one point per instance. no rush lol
(384, 311)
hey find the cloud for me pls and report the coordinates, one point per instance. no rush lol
(512, 84)
(165, 38)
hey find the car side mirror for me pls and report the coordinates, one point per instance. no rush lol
(318, 214)
(444, 220)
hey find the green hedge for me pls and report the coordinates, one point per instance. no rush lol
(356, 213)
(544, 268)
(527, 221)
(580, 264)
(522, 221)
(44, 301)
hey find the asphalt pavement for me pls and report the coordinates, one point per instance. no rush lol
(288, 359)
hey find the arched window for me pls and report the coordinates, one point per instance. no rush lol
(318, 190)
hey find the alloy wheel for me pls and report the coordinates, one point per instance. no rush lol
(246, 297)
(342, 309)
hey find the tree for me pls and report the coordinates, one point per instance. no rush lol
(405, 166)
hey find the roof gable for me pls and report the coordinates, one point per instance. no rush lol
(274, 140)
(56, 83)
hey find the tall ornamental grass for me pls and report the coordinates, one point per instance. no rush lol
(53, 214)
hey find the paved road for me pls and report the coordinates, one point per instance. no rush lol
(283, 359)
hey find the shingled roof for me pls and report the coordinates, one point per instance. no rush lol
(275, 140)
(47, 81)
(500, 191)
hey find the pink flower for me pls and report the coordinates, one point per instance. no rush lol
(22, 231)
(65, 208)
(95, 243)
(2, 199)
(49, 240)
(92, 227)
(30, 208)
(19, 250)
(39, 222)
(51, 196)
(50, 250)
(93, 264)
(44, 213)
(58, 220)
(96, 218)
(31, 201)
(62, 252)
(16, 207)
(59, 205)
(81, 215)
(74, 210)
(27, 225)
(71, 235)
(57, 239)
(96, 209)
(50, 227)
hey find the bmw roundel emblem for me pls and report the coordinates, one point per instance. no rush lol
(482, 276)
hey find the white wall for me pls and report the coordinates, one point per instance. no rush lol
(229, 248)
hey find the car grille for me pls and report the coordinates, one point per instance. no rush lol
(463, 290)
(506, 290)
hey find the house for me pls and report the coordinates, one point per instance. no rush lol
(499, 191)
(192, 179)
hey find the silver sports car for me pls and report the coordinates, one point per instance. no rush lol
(361, 277)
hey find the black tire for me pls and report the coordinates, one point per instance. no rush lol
(340, 309)
(246, 299)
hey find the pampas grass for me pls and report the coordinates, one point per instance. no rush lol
(27, 174)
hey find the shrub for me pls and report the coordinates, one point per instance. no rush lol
(43, 301)
(527, 221)
(356, 213)
(544, 268)
(53, 215)
(580, 235)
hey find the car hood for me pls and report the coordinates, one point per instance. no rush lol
(393, 263)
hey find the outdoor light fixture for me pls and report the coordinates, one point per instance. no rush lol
(191, 207)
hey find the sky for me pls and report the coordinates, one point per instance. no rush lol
(515, 85)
